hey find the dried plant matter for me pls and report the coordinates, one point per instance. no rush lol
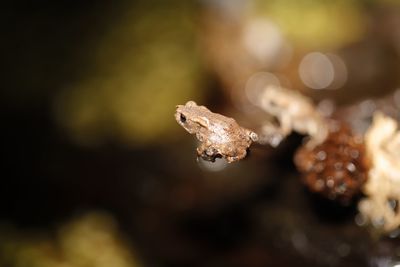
(294, 112)
(337, 168)
(219, 136)
(383, 186)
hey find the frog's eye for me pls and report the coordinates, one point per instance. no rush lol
(183, 118)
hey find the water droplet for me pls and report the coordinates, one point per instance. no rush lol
(354, 153)
(216, 166)
(351, 167)
(316, 71)
(321, 155)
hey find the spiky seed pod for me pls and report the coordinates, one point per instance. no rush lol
(337, 168)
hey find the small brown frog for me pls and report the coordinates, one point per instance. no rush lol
(219, 136)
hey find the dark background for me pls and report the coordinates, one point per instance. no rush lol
(88, 93)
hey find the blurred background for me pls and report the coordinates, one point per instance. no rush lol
(96, 172)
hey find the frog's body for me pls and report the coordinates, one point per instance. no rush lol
(219, 136)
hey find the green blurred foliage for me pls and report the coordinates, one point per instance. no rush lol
(88, 241)
(317, 24)
(146, 63)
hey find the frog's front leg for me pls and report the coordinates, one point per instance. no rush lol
(207, 152)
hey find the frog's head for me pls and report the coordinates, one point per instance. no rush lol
(191, 117)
